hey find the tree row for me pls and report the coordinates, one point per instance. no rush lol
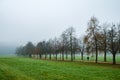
(99, 39)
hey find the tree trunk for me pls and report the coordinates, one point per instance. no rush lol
(66, 55)
(74, 56)
(71, 45)
(71, 56)
(81, 55)
(40, 56)
(56, 56)
(114, 60)
(96, 60)
(53, 55)
(30, 55)
(63, 55)
(105, 50)
(50, 56)
(105, 56)
(45, 55)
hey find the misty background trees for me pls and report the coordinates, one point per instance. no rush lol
(99, 39)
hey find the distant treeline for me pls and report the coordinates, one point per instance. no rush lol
(98, 38)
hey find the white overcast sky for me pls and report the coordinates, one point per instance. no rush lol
(35, 20)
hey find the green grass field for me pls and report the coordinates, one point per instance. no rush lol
(14, 68)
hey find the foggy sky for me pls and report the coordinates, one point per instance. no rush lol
(36, 20)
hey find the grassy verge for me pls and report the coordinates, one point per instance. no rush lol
(12, 68)
(92, 59)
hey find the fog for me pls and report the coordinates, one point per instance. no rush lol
(35, 20)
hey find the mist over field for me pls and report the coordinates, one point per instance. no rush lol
(7, 50)
(35, 20)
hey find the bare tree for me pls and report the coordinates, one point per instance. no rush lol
(113, 42)
(55, 47)
(103, 40)
(75, 46)
(39, 49)
(63, 37)
(81, 47)
(92, 31)
(29, 49)
(65, 42)
(50, 48)
(71, 34)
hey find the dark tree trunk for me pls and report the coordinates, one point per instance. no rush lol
(40, 56)
(63, 55)
(30, 55)
(66, 55)
(71, 56)
(45, 55)
(56, 56)
(81, 55)
(53, 55)
(74, 56)
(105, 56)
(96, 60)
(114, 60)
(50, 56)
(71, 45)
(105, 52)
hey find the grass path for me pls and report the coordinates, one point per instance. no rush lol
(12, 68)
